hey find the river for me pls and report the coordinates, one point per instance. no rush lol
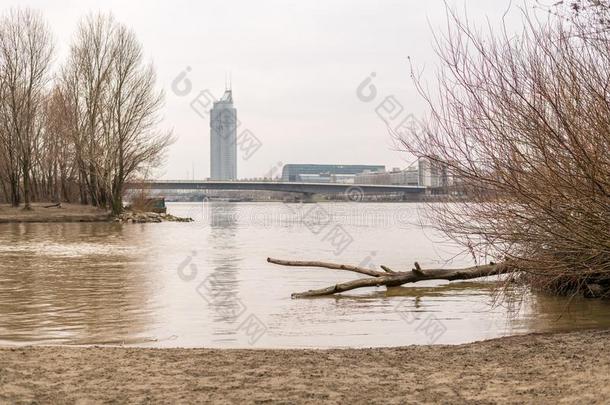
(207, 283)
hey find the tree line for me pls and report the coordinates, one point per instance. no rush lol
(78, 132)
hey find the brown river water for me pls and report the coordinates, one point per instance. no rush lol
(207, 283)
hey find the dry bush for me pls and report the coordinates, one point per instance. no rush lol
(141, 201)
(522, 122)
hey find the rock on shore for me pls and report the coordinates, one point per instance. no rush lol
(148, 217)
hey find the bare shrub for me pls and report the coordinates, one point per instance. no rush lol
(522, 123)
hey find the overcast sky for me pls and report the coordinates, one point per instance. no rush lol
(295, 67)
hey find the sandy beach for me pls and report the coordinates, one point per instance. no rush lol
(545, 368)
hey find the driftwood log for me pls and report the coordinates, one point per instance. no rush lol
(390, 278)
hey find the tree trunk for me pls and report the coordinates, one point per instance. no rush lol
(26, 187)
(15, 194)
(117, 197)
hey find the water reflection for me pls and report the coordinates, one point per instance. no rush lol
(196, 284)
(221, 286)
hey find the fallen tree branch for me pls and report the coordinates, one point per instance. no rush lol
(390, 278)
(333, 266)
(387, 269)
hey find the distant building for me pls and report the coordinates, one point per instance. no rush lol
(223, 139)
(407, 177)
(315, 173)
(426, 173)
(433, 174)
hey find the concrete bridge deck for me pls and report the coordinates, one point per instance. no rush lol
(288, 187)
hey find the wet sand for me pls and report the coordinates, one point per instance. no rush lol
(545, 368)
(67, 213)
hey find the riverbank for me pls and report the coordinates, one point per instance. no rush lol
(78, 213)
(569, 367)
(67, 213)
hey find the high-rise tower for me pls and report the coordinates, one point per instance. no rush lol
(223, 139)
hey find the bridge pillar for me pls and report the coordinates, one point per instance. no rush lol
(307, 197)
(411, 197)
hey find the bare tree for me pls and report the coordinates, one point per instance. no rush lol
(522, 122)
(92, 130)
(25, 57)
(112, 98)
(10, 172)
(56, 164)
(131, 115)
(85, 79)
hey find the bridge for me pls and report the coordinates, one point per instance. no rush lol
(307, 189)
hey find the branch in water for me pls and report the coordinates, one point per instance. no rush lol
(333, 266)
(389, 278)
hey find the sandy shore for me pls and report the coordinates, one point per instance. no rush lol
(67, 213)
(568, 368)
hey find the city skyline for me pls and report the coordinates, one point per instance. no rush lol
(297, 90)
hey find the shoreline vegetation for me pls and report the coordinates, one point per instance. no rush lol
(79, 134)
(519, 122)
(67, 213)
(534, 368)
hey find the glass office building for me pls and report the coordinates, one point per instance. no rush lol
(324, 173)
